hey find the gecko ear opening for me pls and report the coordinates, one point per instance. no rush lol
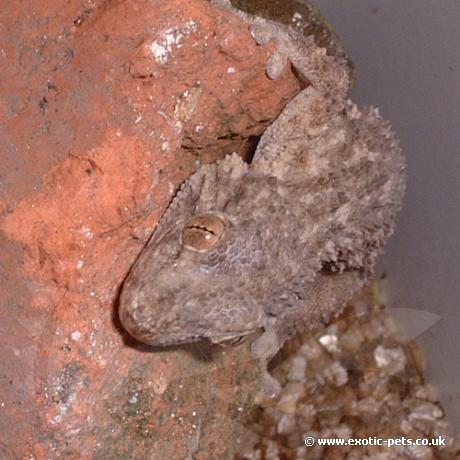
(202, 232)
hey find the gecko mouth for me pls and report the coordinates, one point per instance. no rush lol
(230, 342)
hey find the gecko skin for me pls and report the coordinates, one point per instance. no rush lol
(282, 243)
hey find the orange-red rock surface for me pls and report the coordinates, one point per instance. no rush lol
(106, 106)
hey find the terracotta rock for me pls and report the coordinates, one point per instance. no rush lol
(107, 106)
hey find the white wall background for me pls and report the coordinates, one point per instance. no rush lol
(407, 55)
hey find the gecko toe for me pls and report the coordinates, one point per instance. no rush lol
(263, 32)
(270, 386)
(275, 65)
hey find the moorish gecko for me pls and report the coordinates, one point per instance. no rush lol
(282, 243)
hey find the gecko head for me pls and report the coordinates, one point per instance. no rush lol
(196, 280)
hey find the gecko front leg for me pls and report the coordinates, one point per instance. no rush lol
(328, 74)
(264, 349)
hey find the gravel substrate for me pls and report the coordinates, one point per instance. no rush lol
(356, 379)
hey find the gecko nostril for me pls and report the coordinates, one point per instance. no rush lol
(202, 232)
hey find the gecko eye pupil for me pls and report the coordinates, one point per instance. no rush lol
(203, 232)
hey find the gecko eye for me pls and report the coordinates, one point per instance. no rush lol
(202, 232)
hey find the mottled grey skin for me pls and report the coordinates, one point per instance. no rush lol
(304, 222)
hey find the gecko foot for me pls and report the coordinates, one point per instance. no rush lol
(263, 32)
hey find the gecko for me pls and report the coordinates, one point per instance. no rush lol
(279, 244)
